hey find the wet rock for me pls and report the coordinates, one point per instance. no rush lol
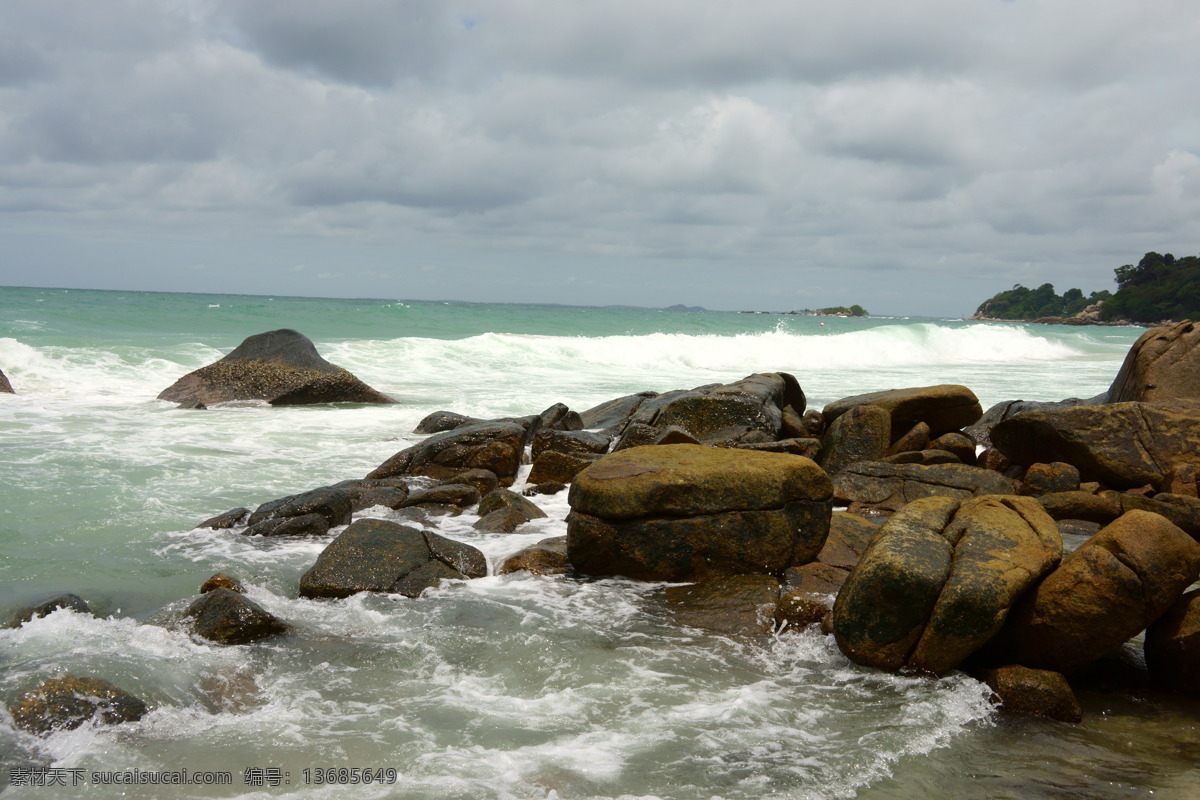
(863, 433)
(939, 579)
(332, 504)
(957, 444)
(807, 447)
(48, 605)
(1043, 479)
(1033, 692)
(484, 480)
(889, 487)
(1113, 586)
(374, 555)
(68, 702)
(228, 617)
(502, 498)
(221, 581)
(1123, 445)
(306, 525)
(280, 367)
(494, 446)
(612, 416)
(440, 421)
(849, 536)
(502, 520)
(545, 487)
(547, 557)
(1163, 364)
(734, 604)
(560, 455)
(799, 609)
(1173, 646)
(5, 385)
(636, 434)
(688, 512)
(1080, 505)
(944, 408)
(993, 459)
(815, 578)
(446, 494)
(230, 519)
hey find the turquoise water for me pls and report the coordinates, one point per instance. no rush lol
(502, 687)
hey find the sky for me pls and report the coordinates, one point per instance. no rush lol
(913, 158)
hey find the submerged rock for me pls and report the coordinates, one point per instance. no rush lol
(5, 386)
(279, 367)
(230, 519)
(48, 605)
(1035, 692)
(68, 702)
(374, 555)
(688, 512)
(733, 604)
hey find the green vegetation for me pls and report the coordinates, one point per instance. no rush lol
(853, 311)
(1160, 287)
(1021, 302)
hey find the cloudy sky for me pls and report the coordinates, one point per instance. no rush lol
(912, 157)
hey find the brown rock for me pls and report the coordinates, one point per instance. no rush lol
(222, 581)
(807, 447)
(1181, 480)
(849, 536)
(1163, 364)
(735, 604)
(5, 386)
(1043, 479)
(227, 617)
(957, 444)
(1173, 646)
(494, 446)
(68, 702)
(815, 578)
(1080, 505)
(943, 408)
(917, 438)
(1035, 692)
(547, 557)
(890, 487)
(863, 433)
(799, 609)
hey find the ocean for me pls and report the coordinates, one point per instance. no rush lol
(502, 687)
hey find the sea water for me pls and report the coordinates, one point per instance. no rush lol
(503, 687)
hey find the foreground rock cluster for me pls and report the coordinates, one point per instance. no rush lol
(1025, 544)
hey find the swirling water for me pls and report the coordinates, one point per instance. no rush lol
(504, 687)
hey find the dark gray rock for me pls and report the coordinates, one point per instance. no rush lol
(280, 367)
(68, 702)
(230, 519)
(47, 605)
(447, 494)
(494, 446)
(5, 386)
(332, 504)
(502, 498)
(981, 431)
(304, 525)
(228, 617)
(440, 421)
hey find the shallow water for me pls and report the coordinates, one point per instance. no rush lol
(504, 687)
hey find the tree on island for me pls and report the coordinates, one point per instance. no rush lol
(1021, 302)
(1160, 287)
(841, 311)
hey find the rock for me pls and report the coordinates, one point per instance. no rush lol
(917, 438)
(547, 557)
(1034, 692)
(48, 605)
(613, 415)
(1173, 646)
(446, 494)
(957, 444)
(503, 520)
(5, 386)
(939, 579)
(815, 579)
(332, 504)
(440, 421)
(688, 512)
(793, 425)
(502, 498)
(221, 581)
(494, 446)
(560, 455)
(1080, 505)
(559, 418)
(863, 433)
(306, 525)
(1114, 585)
(1181, 510)
(944, 408)
(733, 604)
(227, 617)
(230, 519)
(385, 496)
(1163, 364)
(1043, 479)
(545, 487)
(926, 458)
(807, 447)
(889, 487)
(68, 702)
(799, 609)
(636, 434)
(1123, 445)
(981, 431)
(747, 410)
(424, 515)
(374, 555)
(280, 367)
(1182, 480)
(849, 536)
(484, 480)
(675, 435)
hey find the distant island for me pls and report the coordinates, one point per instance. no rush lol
(681, 307)
(833, 311)
(1159, 288)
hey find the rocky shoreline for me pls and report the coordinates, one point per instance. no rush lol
(1024, 544)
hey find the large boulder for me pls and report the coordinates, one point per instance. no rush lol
(227, 617)
(374, 555)
(560, 455)
(611, 416)
(547, 557)
(1113, 586)
(280, 367)
(688, 512)
(333, 505)
(861, 434)
(1173, 646)
(1033, 692)
(939, 579)
(5, 386)
(494, 446)
(981, 431)
(1182, 510)
(1163, 364)
(1123, 445)
(944, 408)
(66, 703)
(889, 487)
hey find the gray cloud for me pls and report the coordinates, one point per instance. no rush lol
(959, 147)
